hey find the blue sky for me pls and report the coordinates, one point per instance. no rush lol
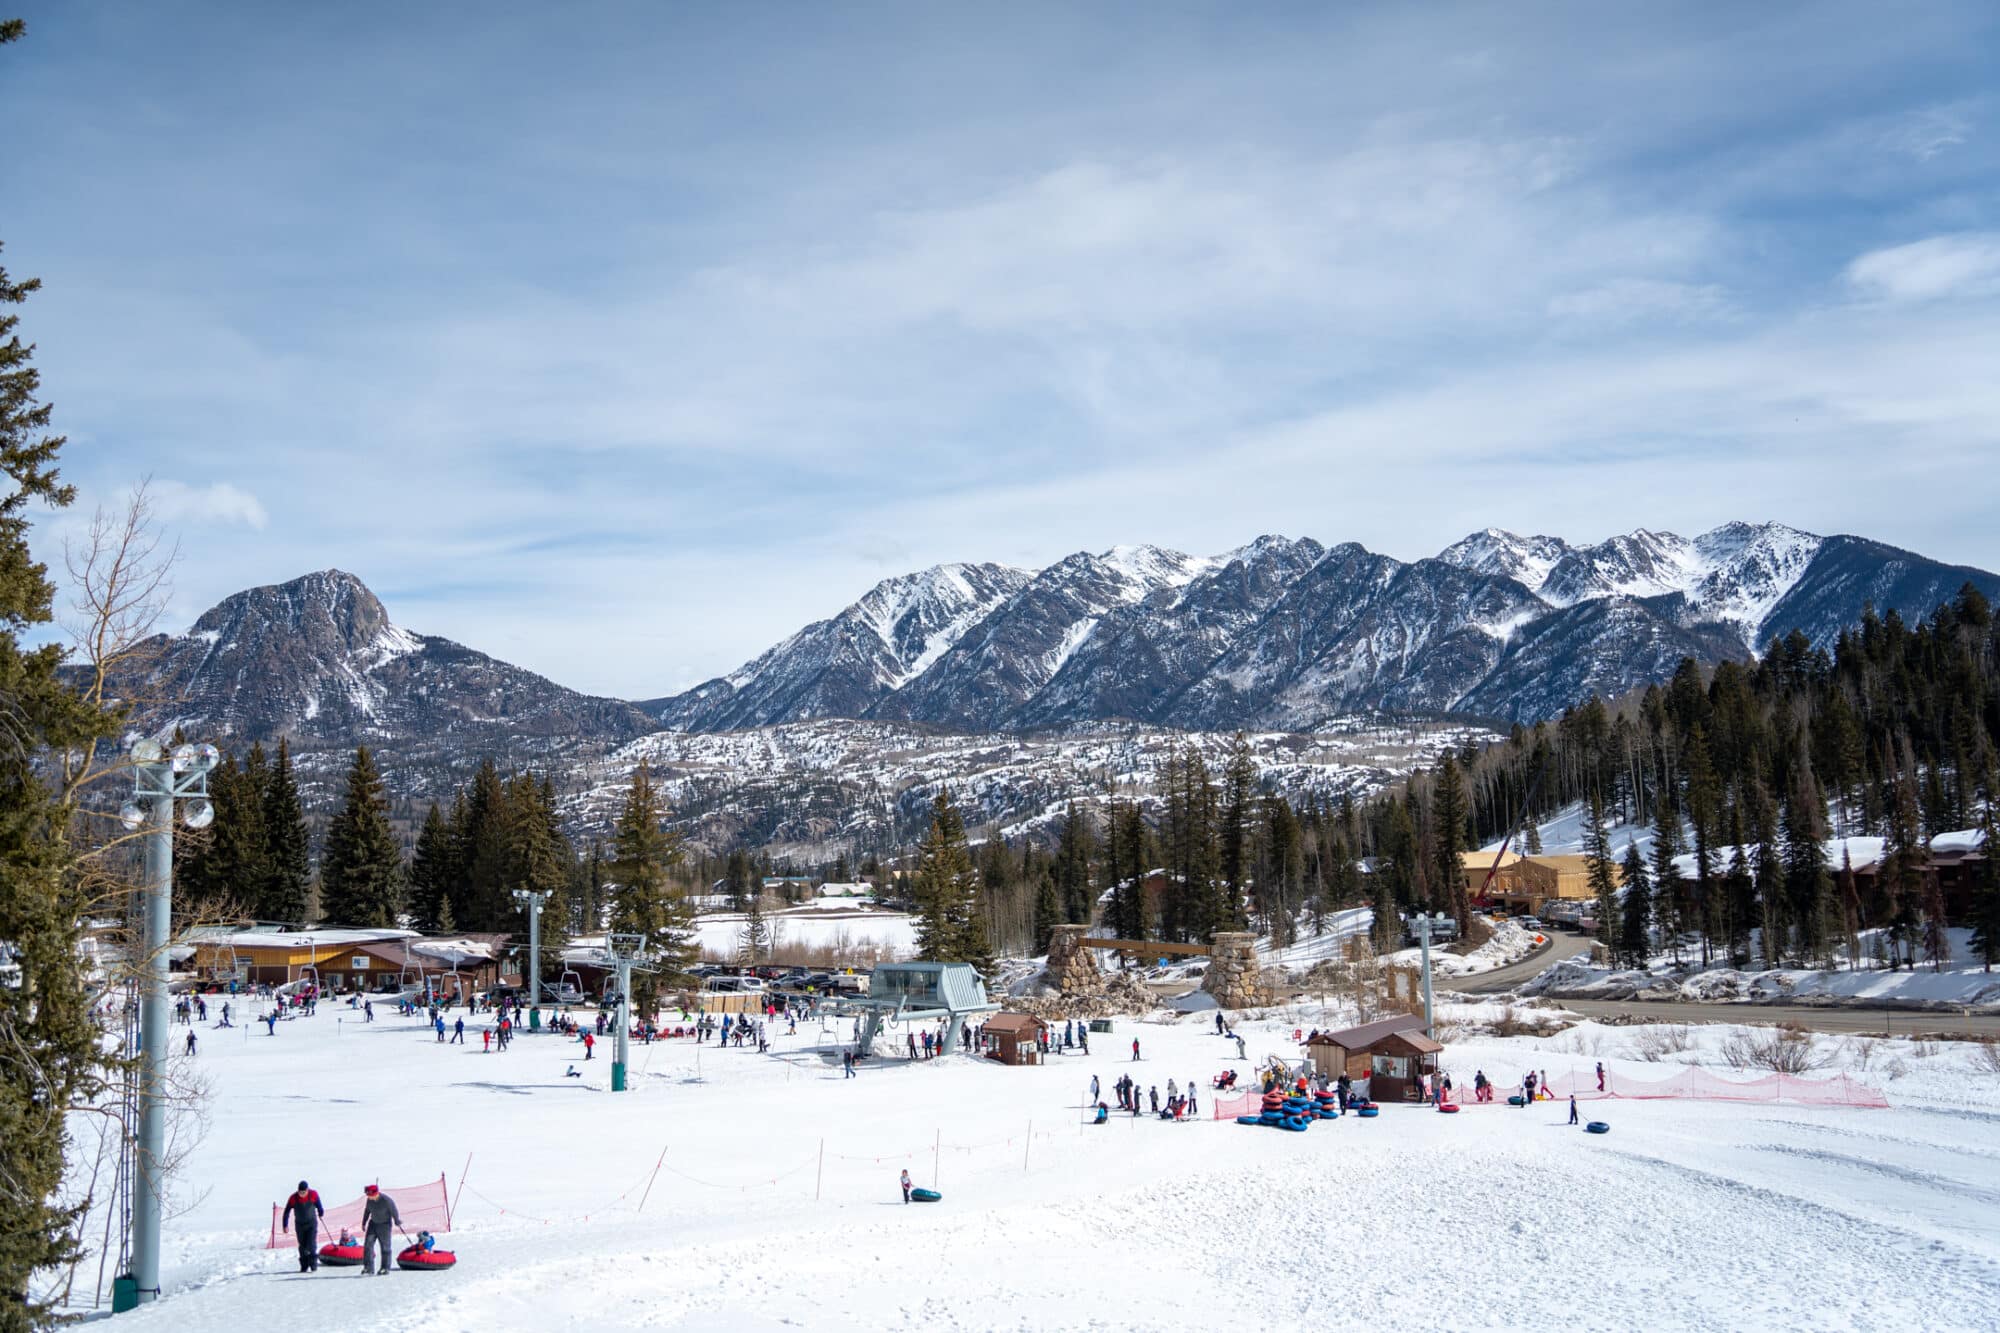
(620, 340)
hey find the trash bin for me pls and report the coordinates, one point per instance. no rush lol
(124, 1293)
(535, 1019)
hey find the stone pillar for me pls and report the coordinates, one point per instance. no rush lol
(1072, 969)
(1232, 977)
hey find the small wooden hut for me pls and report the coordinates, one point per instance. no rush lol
(1013, 1039)
(1389, 1056)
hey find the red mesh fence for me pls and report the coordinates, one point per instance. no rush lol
(1700, 1085)
(426, 1207)
(1243, 1103)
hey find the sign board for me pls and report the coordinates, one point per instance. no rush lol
(358, 963)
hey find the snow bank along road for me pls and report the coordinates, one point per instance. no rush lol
(775, 1205)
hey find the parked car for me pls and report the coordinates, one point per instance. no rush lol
(1529, 923)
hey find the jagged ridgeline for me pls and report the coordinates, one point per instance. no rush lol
(931, 676)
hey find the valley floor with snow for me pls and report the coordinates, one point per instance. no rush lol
(775, 1204)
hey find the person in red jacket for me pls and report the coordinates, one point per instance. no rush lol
(589, 1045)
(305, 1202)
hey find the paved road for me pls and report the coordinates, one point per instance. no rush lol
(1561, 945)
(1815, 1018)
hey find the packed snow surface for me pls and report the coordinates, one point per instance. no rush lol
(775, 1202)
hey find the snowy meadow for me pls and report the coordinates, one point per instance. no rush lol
(731, 1189)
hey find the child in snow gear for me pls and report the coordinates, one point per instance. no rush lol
(305, 1202)
(906, 1186)
(1572, 1105)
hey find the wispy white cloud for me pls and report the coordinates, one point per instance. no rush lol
(1964, 265)
(218, 504)
(628, 379)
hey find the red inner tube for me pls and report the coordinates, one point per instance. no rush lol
(416, 1258)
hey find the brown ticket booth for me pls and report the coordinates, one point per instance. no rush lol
(1013, 1039)
(1391, 1054)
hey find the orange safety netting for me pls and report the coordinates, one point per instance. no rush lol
(1244, 1103)
(1700, 1085)
(426, 1207)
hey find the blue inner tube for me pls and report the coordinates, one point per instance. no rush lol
(925, 1196)
(1517, 1100)
(1295, 1122)
(1598, 1127)
(1249, 1119)
(1328, 1113)
(1368, 1111)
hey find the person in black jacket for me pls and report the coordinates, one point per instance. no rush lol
(305, 1202)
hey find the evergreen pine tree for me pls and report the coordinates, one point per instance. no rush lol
(1808, 887)
(753, 944)
(1986, 885)
(1452, 839)
(484, 896)
(950, 927)
(445, 923)
(361, 873)
(1239, 782)
(1902, 877)
(1704, 803)
(1665, 890)
(1634, 934)
(1048, 910)
(430, 872)
(1603, 872)
(1072, 868)
(1531, 841)
(288, 887)
(643, 900)
(51, 1051)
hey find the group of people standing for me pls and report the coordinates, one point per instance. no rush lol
(1179, 1104)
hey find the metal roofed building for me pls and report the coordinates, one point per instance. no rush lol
(952, 991)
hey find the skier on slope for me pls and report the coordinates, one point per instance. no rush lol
(305, 1202)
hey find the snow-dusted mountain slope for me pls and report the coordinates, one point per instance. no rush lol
(844, 666)
(317, 660)
(1283, 633)
(814, 789)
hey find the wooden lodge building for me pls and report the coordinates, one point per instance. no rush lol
(1389, 1056)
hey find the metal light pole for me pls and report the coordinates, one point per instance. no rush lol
(533, 902)
(159, 780)
(626, 951)
(1423, 924)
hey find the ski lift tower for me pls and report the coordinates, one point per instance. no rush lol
(627, 952)
(1423, 925)
(158, 780)
(532, 902)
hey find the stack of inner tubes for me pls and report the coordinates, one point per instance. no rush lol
(1282, 1111)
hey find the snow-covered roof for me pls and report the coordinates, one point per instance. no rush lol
(455, 951)
(1865, 854)
(1959, 842)
(284, 939)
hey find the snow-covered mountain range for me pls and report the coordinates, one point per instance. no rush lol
(1286, 634)
(966, 674)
